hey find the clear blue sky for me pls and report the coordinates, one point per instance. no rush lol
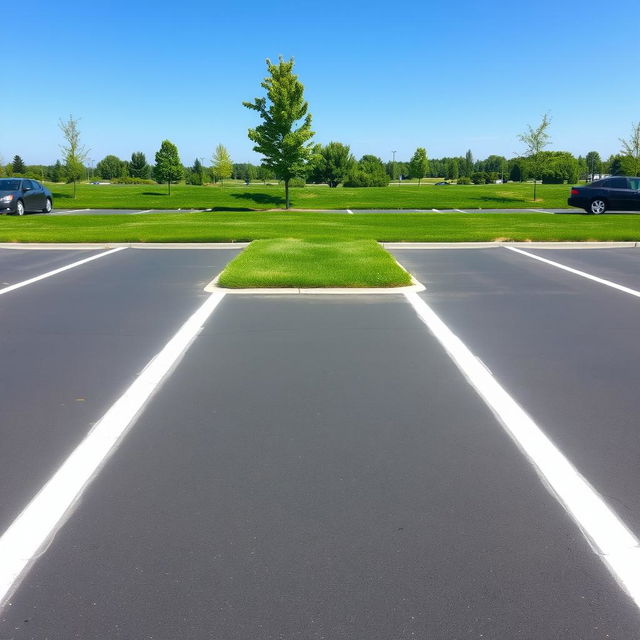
(378, 76)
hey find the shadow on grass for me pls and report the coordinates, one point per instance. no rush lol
(499, 199)
(154, 193)
(62, 196)
(260, 198)
(240, 209)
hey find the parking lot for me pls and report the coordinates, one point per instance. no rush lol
(179, 464)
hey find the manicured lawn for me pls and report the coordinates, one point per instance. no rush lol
(256, 197)
(290, 262)
(236, 227)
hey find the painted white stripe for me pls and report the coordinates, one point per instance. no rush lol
(608, 283)
(436, 210)
(541, 211)
(137, 213)
(349, 211)
(29, 533)
(460, 210)
(24, 283)
(606, 532)
(69, 212)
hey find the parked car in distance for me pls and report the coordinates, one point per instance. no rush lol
(19, 195)
(440, 184)
(618, 193)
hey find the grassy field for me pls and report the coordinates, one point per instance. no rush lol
(235, 227)
(257, 197)
(290, 262)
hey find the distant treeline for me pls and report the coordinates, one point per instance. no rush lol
(333, 164)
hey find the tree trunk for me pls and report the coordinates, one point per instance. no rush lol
(74, 188)
(286, 193)
(534, 189)
(169, 182)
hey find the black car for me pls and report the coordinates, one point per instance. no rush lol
(18, 195)
(620, 193)
(440, 184)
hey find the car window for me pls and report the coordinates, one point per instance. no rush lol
(617, 183)
(27, 184)
(598, 183)
(9, 185)
(634, 183)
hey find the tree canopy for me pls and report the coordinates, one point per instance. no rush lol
(419, 165)
(168, 166)
(221, 164)
(74, 153)
(284, 146)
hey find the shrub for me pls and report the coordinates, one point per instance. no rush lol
(128, 180)
(464, 180)
(297, 182)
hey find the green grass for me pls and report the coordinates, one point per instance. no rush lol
(236, 227)
(291, 262)
(257, 197)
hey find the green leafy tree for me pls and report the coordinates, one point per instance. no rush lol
(110, 167)
(630, 152)
(222, 166)
(559, 166)
(285, 148)
(419, 164)
(74, 152)
(56, 172)
(18, 165)
(168, 166)
(138, 167)
(594, 163)
(332, 163)
(535, 140)
(195, 174)
(467, 165)
(368, 172)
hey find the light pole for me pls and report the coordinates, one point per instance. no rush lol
(393, 167)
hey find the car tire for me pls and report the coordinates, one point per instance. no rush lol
(597, 206)
(48, 206)
(19, 208)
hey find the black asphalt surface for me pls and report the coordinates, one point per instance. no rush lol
(316, 467)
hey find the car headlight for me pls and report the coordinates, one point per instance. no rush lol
(8, 198)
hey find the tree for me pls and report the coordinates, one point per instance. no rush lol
(419, 165)
(18, 165)
(110, 167)
(368, 172)
(195, 174)
(331, 163)
(56, 172)
(138, 167)
(558, 167)
(630, 152)
(535, 140)
(594, 163)
(286, 149)
(73, 152)
(168, 166)
(221, 164)
(468, 164)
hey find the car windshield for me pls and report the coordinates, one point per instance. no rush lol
(9, 185)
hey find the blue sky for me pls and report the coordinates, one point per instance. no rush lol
(378, 76)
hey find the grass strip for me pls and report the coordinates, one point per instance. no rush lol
(291, 262)
(260, 197)
(390, 227)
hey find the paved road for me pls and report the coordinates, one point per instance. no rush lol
(318, 467)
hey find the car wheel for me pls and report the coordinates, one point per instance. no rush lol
(19, 208)
(48, 206)
(597, 206)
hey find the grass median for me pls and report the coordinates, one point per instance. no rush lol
(400, 227)
(261, 197)
(294, 263)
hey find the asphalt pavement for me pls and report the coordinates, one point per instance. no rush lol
(317, 467)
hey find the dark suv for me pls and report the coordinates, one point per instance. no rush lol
(619, 193)
(18, 195)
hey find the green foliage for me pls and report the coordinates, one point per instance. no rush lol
(331, 163)
(630, 152)
(558, 167)
(195, 174)
(111, 167)
(168, 166)
(138, 167)
(297, 182)
(56, 172)
(419, 165)
(17, 165)
(369, 172)
(285, 148)
(131, 180)
(464, 180)
(74, 153)
(221, 164)
(467, 165)
(594, 163)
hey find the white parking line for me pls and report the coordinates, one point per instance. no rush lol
(137, 213)
(541, 211)
(460, 210)
(68, 212)
(436, 210)
(608, 535)
(608, 283)
(23, 542)
(349, 211)
(24, 283)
